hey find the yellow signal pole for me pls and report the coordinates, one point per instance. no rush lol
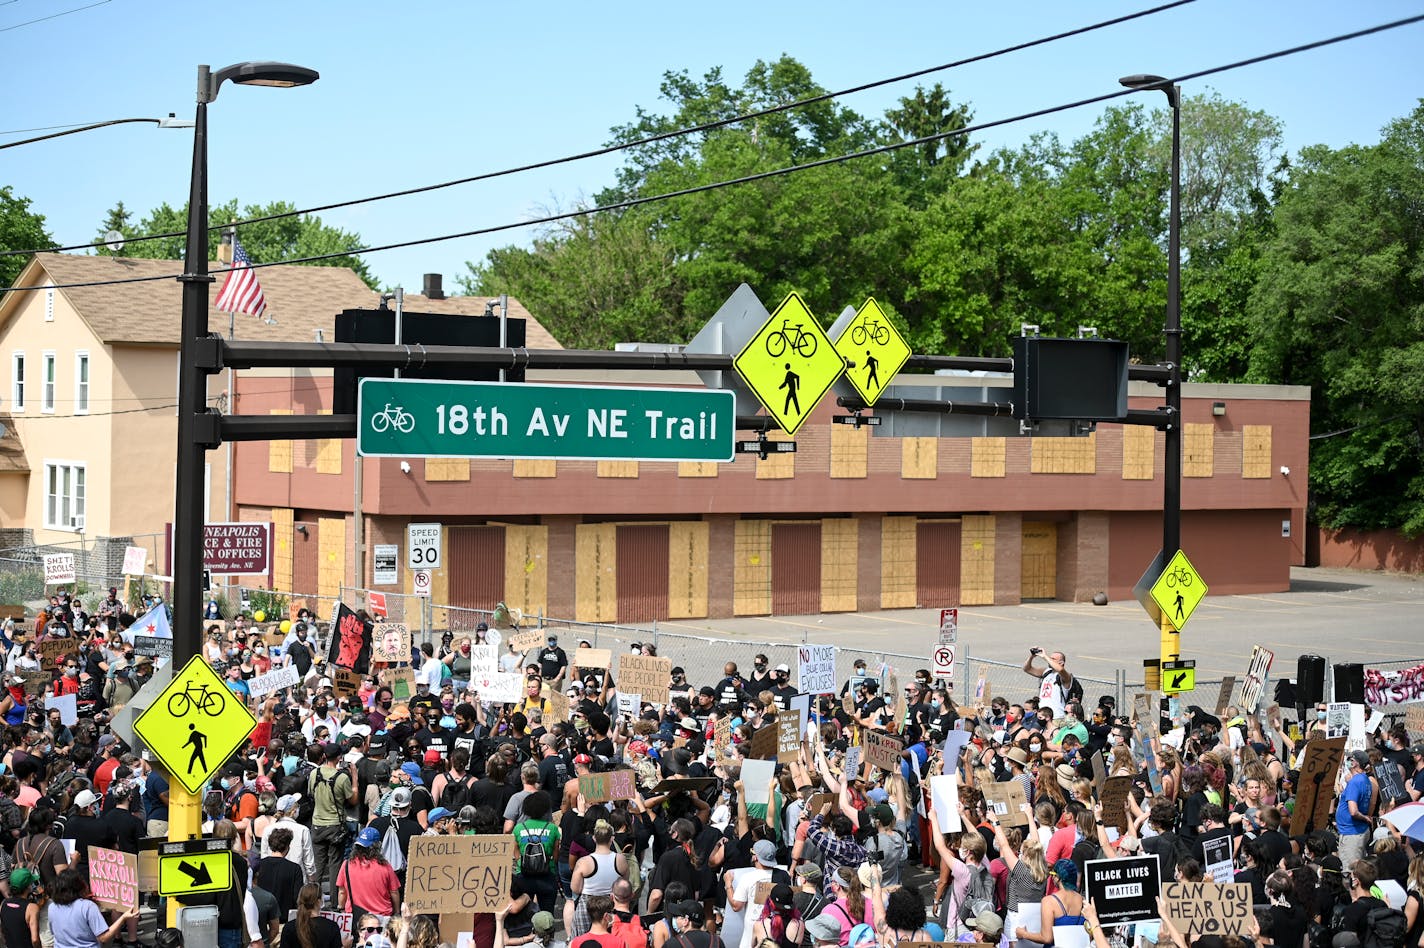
(1171, 640)
(185, 822)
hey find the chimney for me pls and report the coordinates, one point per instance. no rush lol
(432, 290)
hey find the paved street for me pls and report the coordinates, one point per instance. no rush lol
(1341, 614)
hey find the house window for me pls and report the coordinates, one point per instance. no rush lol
(49, 305)
(81, 383)
(47, 385)
(64, 495)
(17, 382)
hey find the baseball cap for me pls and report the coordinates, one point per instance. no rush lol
(467, 815)
(693, 910)
(542, 921)
(400, 798)
(85, 798)
(765, 853)
(288, 802)
(1417, 749)
(823, 928)
(1361, 759)
(368, 837)
(641, 747)
(412, 770)
(783, 667)
(583, 759)
(439, 813)
(432, 756)
(22, 878)
(809, 871)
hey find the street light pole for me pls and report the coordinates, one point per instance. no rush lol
(197, 424)
(169, 122)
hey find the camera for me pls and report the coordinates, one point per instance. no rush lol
(872, 857)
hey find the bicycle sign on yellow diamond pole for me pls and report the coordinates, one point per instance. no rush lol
(877, 349)
(790, 363)
(1177, 592)
(195, 724)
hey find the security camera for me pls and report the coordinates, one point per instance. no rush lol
(405, 468)
(1285, 471)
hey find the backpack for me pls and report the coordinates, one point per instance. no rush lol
(455, 793)
(391, 850)
(1084, 850)
(1385, 927)
(979, 896)
(299, 783)
(12, 821)
(533, 857)
(631, 929)
(314, 780)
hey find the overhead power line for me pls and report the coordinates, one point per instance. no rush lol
(774, 173)
(649, 140)
(53, 16)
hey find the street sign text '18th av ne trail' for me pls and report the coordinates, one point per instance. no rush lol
(412, 418)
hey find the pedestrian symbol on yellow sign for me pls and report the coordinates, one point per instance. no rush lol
(194, 725)
(872, 341)
(1178, 590)
(790, 363)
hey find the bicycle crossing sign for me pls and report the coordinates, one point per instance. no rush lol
(1178, 590)
(790, 363)
(195, 724)
(877, 349)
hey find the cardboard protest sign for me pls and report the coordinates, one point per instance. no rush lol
(816, 669)
(113, 878)
(148, 870)
(883, 750)
(1316, 787)
(275, 680)
(527, 639)
(983, 692)
(350, 640)
(390, 642)
(848, 703)
(558, 706)
(53, 651)
(401, 681)
(344, 681)
(613, 785)
(1256, 676)
(1414, 720)
(763, 742)
(646, 675)
(1005, 800)
(1123, 890)
(1116, 792)
(459, 873)
(788, 739)
(819, 801)
(1223, 697)
(1100, 773)
(1208, 908)
(721, 733)
(590, 659)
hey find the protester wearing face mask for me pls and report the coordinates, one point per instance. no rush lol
(68, 683)
(299, 652)
(553, 663)
(321, 715)
(782, 691)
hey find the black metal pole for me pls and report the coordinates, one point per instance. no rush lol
(188, 513)
(1172, 463)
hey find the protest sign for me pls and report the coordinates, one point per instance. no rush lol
(484, 659)
(343, 922)
(1316, 787)
(819, 801)
(52, 652)
(67, 706)
(756, 782)
(632, 704)
(721, 733)
(1100, 773)
(350, 642)
(401, 681)
(852, 762)
(1148, 723)
(613, 785)
(696, 784)
(954, 742)
(944, 795)
(883, 750)
(500, 688)
(459, 873)
(1116, 792)
(344, 681)
(788, 738)
(1216, 851)
(1208, 908)
(1005, 800)
(1256, 676)
(816, 669)
(148, 870)
(58, 569)
(1337, 719)
(763, 742)
(590, 659)
(113, 878)
(1386, 688)
(1391, 785)
(1414, 720)
(848, 703)
(35, 681)
(135, 561)
(646, 675)
(1223, 697)
(275, 680)
(527, 639)
(801, 704)
(558, 706)
(1123, 890)
(390, 642)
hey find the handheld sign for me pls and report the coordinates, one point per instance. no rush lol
(459, 874)
(1208, 908)
(1123, 890)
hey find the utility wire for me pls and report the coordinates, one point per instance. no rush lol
(774, 173)
(52, 16)
(649, 140)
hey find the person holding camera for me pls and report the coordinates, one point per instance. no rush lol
(1056, 684)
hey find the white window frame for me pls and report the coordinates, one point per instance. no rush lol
(17, 381)
(49, 380)
(68, 499)
(82, 368)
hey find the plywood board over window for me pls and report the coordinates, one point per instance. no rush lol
(898, 588)
(447, 469)
(596, 572)
(1256, 451)
(535, 467)
(697, 469)
(1139, 451)
(687, 569)
(976, 557)
(986, 457)
(1198, 446)
(1064, 455)
(617, 468)
(751, 574)
(919, 458)
(526, 568)
(279, 453)
(840, 550)
(849, 450)
(776, 466)
(282, 547)
(331, 556)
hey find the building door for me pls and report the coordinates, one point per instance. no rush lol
(937, 563)
(795, 569)
(642, 552)
(1039, 561)
(476, 566)
(306, 558)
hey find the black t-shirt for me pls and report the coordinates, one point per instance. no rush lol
(552, 661)
(520, 924)
(434, 740)
(282, 878)
(782, 695)
(325, 934)
(1289, 924)
(553, 774)
(88, 831)
(469, 742)
(127, 828)
(485, 792)
(268, 910)
(1356, 914)
(299, 654)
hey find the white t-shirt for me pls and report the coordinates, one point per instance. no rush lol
(745, 891)
(1050, 695)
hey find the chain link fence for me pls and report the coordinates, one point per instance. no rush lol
(1010, 681)
(98, 564)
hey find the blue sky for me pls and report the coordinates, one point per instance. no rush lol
(420, 92)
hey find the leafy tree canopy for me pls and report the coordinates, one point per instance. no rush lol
(20, 229)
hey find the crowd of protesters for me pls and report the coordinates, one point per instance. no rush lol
(321, 803)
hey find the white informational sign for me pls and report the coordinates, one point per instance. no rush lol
(801, 704)
(420, 582)
(816, 669)
(67, 706)
(135, 561)
(949, 626)
(1218, 866)
(274, 680)
(629, 704)
(756, 778)
(1355, 734)
(423, 546)
(384, 564)
(944, 659)
(944, 793)
(59, 568)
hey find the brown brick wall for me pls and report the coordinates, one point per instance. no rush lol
(1008, 553)
(868, 565)
(721, 564)
(561, 565)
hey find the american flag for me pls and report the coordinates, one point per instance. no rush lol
(241, 293)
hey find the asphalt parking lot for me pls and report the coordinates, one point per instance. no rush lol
(1344, 615)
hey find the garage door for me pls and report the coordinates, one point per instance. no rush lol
(937, 564)
(642, 552)
(795, 569)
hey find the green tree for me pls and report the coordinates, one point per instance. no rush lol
(1339, 306)
(926, 169)
(116, 220)
(267, 242)
(20, 229)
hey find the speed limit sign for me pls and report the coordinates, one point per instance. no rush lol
(423, 546)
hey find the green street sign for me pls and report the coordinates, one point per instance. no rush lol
(416, 418)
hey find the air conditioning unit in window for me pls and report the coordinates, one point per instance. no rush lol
(76, 522)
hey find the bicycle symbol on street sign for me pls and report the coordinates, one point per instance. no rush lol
(393, 417)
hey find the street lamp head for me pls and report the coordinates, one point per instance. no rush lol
(281, 75)
(1148, 81)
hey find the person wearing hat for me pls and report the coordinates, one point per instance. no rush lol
(687, 920)
(741, 887)
(442, 822)
(367, 883)
(782, 691)
(824, 930)
(299, 852)
(20, 913)
(86, 828)
(1352, 816)
(404, 824)
(553, 661)
(988, 925)
(887, 847)
(778, 921)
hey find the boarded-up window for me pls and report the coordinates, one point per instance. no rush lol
(1038, 561)
(526, 568)
(1198, 445)
(897, 563)
(1065, 455)
(849, 447)
(596, 572)
(447, 469)
(751, 575)
(919, 458)
(279, 453)
(1139, 446)
(986, 457)
(331, 563)
(687, 570)
(305, 557)
(976, 554)
(1256, 451)
(697, 469)
(840, 550)
(776, 466)
(617, 468)
(535, 467)
(328, 456)
(282, 548)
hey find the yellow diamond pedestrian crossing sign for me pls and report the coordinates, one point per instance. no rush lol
(1178, 590)
(790, 363)
(877, 349)
(195, 724)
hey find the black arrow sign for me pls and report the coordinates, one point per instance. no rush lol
(1178, 679)
(199, 873)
